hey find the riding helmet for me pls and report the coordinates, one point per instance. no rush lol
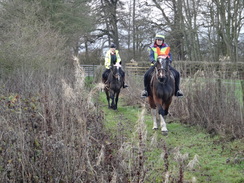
(160, 37)
(112, 45)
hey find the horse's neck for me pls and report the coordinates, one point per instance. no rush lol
(170, 74)
(110, 76)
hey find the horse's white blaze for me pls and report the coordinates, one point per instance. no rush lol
(117, 65)
(163, 124)
(154, 116)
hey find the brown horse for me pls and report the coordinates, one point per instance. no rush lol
(113, 85)
(162, 89)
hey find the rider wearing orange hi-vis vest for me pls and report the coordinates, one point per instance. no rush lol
(160, 48)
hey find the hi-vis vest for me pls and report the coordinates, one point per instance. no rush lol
(108, 58)
(161, 52)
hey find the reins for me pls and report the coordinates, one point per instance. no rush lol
(156, 74)
(111, 77)
(116, 75)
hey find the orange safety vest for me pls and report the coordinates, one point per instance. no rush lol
(161, 52)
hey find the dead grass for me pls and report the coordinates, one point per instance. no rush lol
(57, 134)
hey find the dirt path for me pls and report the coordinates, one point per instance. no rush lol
(187, 154)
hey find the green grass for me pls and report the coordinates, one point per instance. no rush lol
(217, 156)
(237, 86)
(213, 156)
(117, 118)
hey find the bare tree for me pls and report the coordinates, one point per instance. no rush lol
(191, 28)
(230, 20)
(107, 20)
(170, 20)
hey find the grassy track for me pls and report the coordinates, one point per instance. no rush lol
(200, 156)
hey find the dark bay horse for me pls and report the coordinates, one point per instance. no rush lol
(113, 85)
(162, 89)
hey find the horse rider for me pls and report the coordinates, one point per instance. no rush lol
(111, 58)
(159, 44)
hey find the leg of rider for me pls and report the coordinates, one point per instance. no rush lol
(105, 75)
(147, 79)
(123, 77)
(177, 82)
(145, 92)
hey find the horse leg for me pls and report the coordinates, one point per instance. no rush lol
(154, 116)
(162, 114)
(108, 98)
(153, 112)
(116, 100)
(163, 124)
(112, 98)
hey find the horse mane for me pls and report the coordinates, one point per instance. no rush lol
(115, 83)
(163, 89)
(111, 78)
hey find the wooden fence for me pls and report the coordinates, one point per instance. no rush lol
(223, 70)
(89, 69)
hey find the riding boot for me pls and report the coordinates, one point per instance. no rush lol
(147, 79)
(178, 92)
(144, 93)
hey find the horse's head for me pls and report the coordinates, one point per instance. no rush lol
(162, 68)
(116, 70)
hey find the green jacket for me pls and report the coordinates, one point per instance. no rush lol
(108, 58)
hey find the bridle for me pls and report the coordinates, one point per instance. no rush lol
(163, 68)
(116, 75)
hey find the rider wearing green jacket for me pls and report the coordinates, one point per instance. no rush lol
(111, 58)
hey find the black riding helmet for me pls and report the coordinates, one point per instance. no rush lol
(112, 45)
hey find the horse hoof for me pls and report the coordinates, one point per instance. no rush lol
(165, 133)
(154, 128)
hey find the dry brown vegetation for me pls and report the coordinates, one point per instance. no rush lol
(49, 136)
(52, 127)
(55, 132)
(214, 104)
(210, 102)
